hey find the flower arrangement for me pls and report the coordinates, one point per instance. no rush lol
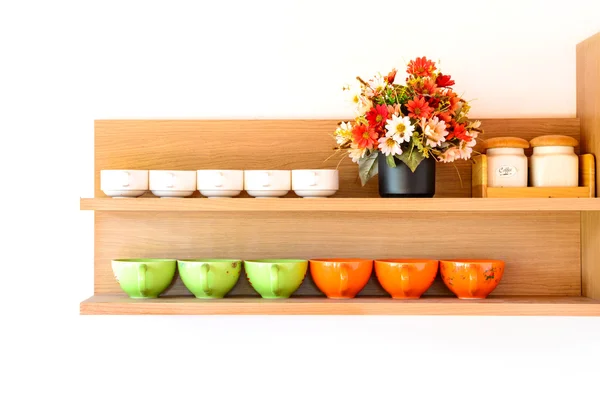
(407, 122)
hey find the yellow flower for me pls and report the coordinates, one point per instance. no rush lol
(343, 133)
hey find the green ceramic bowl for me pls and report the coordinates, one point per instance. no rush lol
(209, 278)
(144, 278)
(276, 278)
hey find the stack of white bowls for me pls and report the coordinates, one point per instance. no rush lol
(214, 183)
(124, 183)
(267, 183)
(220, 183)
(315, 182)
(166, 183)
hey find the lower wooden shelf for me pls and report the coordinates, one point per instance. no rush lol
(500, 305)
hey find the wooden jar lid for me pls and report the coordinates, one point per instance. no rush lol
(554, 140)
(506, 141)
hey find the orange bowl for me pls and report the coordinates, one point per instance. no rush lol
(406, 278)
(341, 278)
(471, 279)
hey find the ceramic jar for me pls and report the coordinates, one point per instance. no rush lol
(506, 162)
(554, 162)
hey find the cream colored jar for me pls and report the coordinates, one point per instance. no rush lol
(554, 162)
(506, 162)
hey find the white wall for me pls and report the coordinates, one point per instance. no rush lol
(64, 64)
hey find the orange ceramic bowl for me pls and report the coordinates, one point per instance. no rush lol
(406, 279)
(471, 279)
(341, 278)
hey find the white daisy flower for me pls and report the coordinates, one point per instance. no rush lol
(465, 151)
(400, 128)
(363, 105)
(355, 93)
(356, 153)
(343, 133)
(377, 83)
(358, 99)
(450, 155)
(389, 146)
(434, 130)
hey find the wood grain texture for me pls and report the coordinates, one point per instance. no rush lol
(479, 176)
(590, 232)
(541, 249)
(587, 173)
(273, 144)
(495, 305)
(357, 205)
(538, 192)
(588, 110)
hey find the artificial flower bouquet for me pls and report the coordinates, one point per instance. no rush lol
(407, 122)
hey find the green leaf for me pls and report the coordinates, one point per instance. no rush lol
(390, 161)
(367, 167)
(411, 158)
(416, 141)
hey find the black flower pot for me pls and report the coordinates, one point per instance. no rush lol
(402, 182)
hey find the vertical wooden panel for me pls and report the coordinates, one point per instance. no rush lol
(587, 173)
(588, 111)
(479, 176)
(590, 251)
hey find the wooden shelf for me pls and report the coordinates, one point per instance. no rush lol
(379, 205)
(500, 305)
(549, 243)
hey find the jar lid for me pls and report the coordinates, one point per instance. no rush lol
(506, 141)
(554, 140)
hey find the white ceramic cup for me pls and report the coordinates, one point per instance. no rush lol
(168, 183)
(120, 183)
(315, 182)
(214, 183)
(267, 183)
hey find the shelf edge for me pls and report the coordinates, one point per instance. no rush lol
(358, 205)
(505, 306)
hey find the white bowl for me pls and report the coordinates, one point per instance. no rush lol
(169, 183)
(267, 183)
(214, 183)
(120, 183)
(315, 182)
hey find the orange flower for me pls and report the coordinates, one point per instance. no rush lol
(444, 116)
(377, 116)
(418, 108)
(444, 80)
(364, 138)
(433, 101)
(459, 132)
(453, 101)
(395, 109)
(421, 66)
(426, 87)
(391, 76)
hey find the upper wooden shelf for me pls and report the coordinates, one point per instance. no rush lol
(341, 204)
